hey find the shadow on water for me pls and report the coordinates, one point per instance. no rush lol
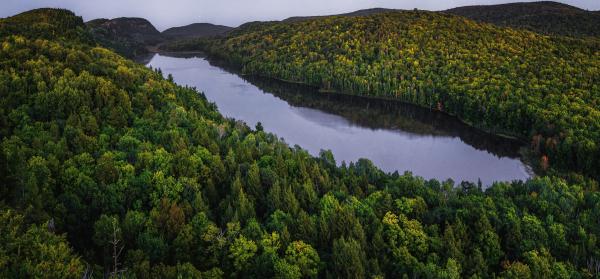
(144, 59)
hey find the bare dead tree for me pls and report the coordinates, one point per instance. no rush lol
(88, 273)
(117, 250)
(593, 265)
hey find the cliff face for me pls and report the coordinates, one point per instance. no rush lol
(133, 29)
(128, 36)
(137, 29)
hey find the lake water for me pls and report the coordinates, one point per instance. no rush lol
(392, 135)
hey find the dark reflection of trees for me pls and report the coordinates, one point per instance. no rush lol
(381, 114)
(387, 114)
(144, 59)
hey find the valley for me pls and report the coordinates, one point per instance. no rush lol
(402, 145)
(395, 137)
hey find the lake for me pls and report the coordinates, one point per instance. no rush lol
(393, 135)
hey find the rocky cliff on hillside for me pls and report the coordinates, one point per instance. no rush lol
(128, 36)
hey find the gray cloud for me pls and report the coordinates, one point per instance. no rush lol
(168, 13)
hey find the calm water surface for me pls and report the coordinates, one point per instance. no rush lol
(394, 136)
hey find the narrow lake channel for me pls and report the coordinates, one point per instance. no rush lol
(392, 135)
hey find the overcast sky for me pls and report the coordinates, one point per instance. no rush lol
(168, 13)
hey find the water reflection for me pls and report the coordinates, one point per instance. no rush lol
(393, 135)
(385, 114)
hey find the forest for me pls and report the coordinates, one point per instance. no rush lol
(544, 90)
(110, 170)
(547, 17)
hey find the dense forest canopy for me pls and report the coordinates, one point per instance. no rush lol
(542, 89)
(546, 17)
(109, 169)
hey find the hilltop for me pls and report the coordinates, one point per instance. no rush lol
(136, 29)
(196, 30)
(46, 23)
(544, 17)
(128, 36)
(364, 12)
(136, 36)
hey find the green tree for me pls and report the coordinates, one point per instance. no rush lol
(304, 257)
(241, 252)
(348, 259)
(32, 251)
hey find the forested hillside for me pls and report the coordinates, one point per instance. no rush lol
(127, 36)
(544, 17)
(364, 12)
(195, 30)
(544, 90)
(108, 169)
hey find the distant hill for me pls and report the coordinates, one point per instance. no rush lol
(196, 30)
(46, 23)
(364, 12)
(257, 25)
(128, 36)
(543, 17)
(135, 29)
(94, 23)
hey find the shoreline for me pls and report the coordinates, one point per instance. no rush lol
(333, 91)
(525, 155)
